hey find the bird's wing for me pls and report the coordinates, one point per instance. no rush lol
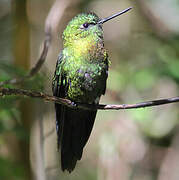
(59, 89)
(73, 125)
(57, 82)
(105, 74)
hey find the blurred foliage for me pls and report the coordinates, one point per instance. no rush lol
(11, 170)
(9, 71)
(132, 144)
(10, 117)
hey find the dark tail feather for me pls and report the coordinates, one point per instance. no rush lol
(75, 128)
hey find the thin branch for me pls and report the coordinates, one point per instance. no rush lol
(43, 55)
(51, 25)
(67, 102)
(38, 65)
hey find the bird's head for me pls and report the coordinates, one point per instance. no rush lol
(86, 25)
(82, 26)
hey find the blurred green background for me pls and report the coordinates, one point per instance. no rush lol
(143, 46)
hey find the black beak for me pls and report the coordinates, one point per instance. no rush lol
(113, 16)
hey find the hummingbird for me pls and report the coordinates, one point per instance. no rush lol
(80, 76)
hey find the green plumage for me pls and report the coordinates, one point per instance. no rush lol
(85, 80)
(80, 75)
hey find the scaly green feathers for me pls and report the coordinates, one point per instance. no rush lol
(81, 73)
(84, 59)
(75, 29)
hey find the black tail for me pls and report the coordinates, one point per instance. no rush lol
(73, 130)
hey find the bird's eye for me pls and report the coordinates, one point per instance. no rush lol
(85, 25)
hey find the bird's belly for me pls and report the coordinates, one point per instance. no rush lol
(87, 85)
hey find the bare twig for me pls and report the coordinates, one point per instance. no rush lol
(51, 25)
(39, 63)
(67, 102)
